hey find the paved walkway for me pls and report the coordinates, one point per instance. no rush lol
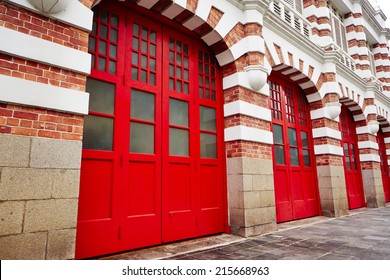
(364, 234)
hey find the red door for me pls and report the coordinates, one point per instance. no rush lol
(353, 174)
(152, 166)
(296, 191)
(384, 164)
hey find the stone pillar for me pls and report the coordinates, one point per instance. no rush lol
(317, 13)
(370, 160)
(248, 137)
(327, 143)
(382, 63)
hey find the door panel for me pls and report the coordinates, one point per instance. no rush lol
(152, 166)
(296, 191)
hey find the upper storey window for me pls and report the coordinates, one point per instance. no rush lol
(339, 33)
(290, 11)
(295, 4)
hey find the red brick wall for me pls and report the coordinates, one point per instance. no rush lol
(22, 120)
(38, 122)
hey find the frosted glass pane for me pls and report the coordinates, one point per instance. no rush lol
(292, 137)
(208, 145)
(103, 31)
(102, 47)
(278, 134)
(304, 139)
(294, 156)
(178, 142)
(114, 20)
(178, 112)
(141, 138)
(142, 105)
(98, 133)
(92, 44)
(112, 67)
(279, 154)
(102, 96)
(102, 64)
(306, 158)
(207, 119)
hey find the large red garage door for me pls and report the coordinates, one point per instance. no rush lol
(152, 166)
(353, 174)
(296, 190)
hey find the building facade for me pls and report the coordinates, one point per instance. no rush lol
(126, 124)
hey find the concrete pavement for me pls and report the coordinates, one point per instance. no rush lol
(364, 234)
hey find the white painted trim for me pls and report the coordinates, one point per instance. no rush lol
(362, 130)
(328, 150)
(387, 140)
(241, 79)
(388, 152)
(326, 132)
(330, 87)
(369, 157)
(76, 14)
(368, 145)
(24, 92)
(246, 44)
(248, 109)
(321, 113)
(241, 132)
(43, 51)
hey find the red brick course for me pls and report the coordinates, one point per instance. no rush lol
(29, 121)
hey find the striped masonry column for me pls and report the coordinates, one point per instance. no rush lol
(369, 153)
(247, 131)
(357, 41)
(317, 13)
(382, 64)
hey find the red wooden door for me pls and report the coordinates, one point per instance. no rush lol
(353, 174)
(152, 168)
(296, 191)
(384, 164)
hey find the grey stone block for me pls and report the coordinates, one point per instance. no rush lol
(54, 153)
(61, 244)
(14, 150)
(11, 217)
(50, 214)
(66, 183)
(25, 183)
(30, 246)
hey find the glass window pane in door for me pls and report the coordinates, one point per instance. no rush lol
(98, 133)
(207, 118)
(178, 142)
(278, 134)
(306, 157)
(102, 96)
(142, 105)
(208, 145)
(279, 154)
(178, 112)
(292, 137)
(304, 139)
(141, 138)
(294, 156)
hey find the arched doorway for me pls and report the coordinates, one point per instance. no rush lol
(353, 174)
(384, 164)
(153, 152)
(295, 177)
